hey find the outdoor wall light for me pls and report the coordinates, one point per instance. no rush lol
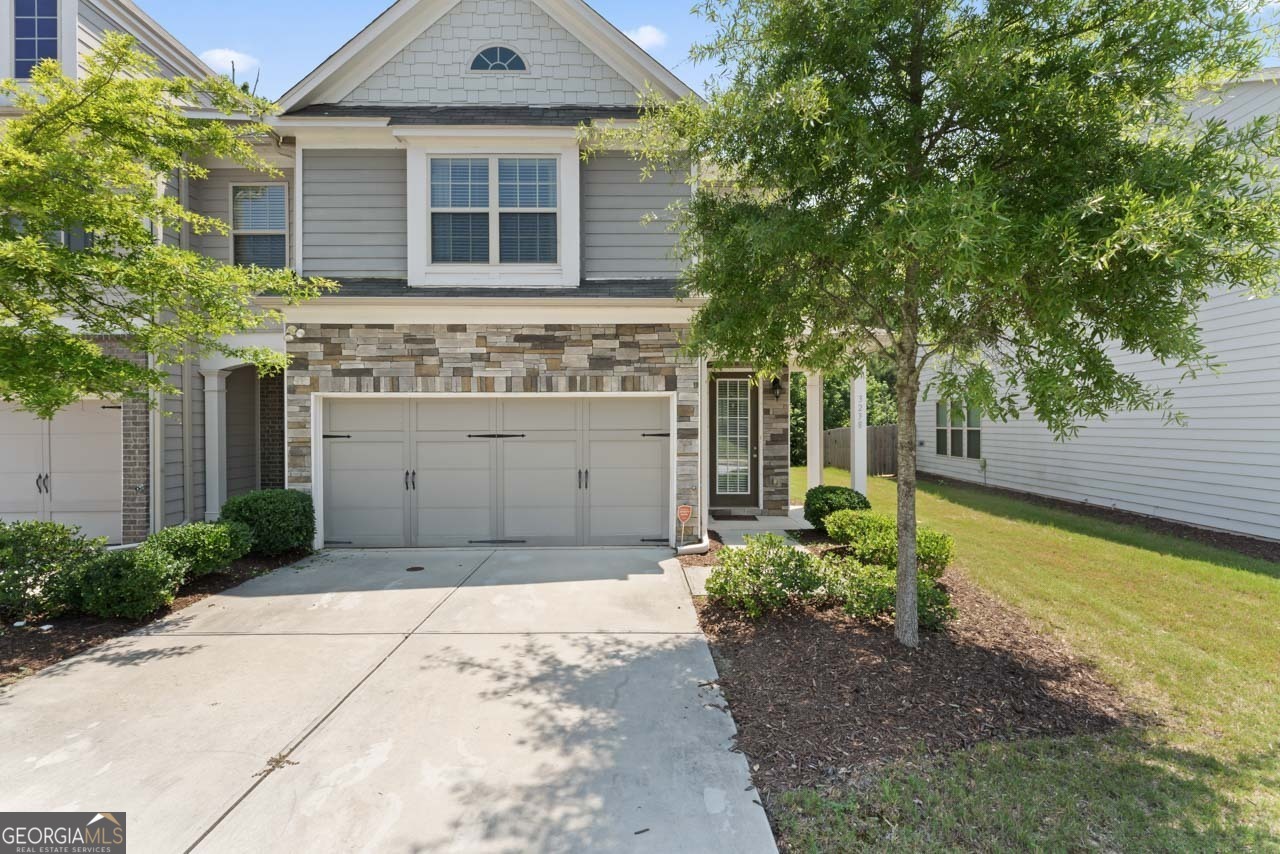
(776, 385)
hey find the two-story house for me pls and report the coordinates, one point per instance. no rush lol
(503, 363)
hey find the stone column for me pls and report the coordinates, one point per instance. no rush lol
(215, 442)
(858, 432)
(813, 435)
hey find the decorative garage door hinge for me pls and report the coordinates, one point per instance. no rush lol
(663, 435)
(496, 542)
(336, 436)
(495, 435)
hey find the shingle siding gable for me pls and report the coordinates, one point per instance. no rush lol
(434, 68)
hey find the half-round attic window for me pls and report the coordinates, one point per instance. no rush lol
(497, 59)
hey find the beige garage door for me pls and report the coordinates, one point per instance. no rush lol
(485, 471)
(68, 470)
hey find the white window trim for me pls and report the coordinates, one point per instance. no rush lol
(565, 273)
(231, 220)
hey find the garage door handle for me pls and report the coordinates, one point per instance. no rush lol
(406, 479)
(413, 475)
(579, 478)
(586, 479)
(40, 489)
(47, 489)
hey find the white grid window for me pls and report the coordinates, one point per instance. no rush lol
(733, 437)
(474, 198)
(259, 225)
(35, 34)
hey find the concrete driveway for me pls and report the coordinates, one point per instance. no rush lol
(535, 700)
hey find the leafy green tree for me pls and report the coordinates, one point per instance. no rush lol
(81, 171)
(1008, 191)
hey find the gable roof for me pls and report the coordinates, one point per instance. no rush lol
(405, 20)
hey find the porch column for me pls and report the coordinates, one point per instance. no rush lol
(858, 432)
(215, 442)
(813, 430)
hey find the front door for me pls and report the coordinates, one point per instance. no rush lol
(735, 441)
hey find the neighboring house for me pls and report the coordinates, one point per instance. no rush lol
(117, 470)
(1219, 471)
(503, 363)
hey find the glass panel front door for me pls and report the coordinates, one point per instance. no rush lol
(733, 437)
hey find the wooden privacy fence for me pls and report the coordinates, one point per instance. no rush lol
(882, 445)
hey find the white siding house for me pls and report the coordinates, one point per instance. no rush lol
(1219, 470)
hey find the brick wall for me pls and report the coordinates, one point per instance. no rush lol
(135, 500)
(458, 358)
(435, 67)
(271, 431)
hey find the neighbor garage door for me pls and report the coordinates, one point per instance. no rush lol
(68, 470)
(467, 471)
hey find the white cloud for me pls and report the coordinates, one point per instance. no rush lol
(221, 60)
(648, 36)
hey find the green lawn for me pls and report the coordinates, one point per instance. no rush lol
(1191, 633)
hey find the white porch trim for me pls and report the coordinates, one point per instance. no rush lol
(858, 433)
(215, 441)
(813, 428)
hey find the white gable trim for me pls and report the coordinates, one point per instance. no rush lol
(389, 33)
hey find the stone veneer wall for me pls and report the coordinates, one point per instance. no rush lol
(775, 433)
(461, 358)
(271, 431)
(135, 416)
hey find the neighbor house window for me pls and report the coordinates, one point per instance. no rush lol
(259, 225)
(959, 430)
(35, 34)
(497, 59)
(474, 198)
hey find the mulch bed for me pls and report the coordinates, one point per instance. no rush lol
(26, 650)
(822, 699)
(710, 558)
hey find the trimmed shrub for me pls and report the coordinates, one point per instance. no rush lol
(821, 501)
(204, 547)
(873, 538)
(40, 565)
(282, 520)
(763, 575)
(872, 591)
(130, 584)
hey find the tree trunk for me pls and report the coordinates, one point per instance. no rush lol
(907, 616)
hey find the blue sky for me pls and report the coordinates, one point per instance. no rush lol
(286, 39)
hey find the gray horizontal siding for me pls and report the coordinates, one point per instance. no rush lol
(212, 197)
(354, 220)
(94, 23)
(617, 242)
(1220, 470)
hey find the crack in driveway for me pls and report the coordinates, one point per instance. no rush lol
(282, 758)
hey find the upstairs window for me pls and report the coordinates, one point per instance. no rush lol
(527, 205)
(35, 34)
(959, 430)
(498, 59)
(459, 210)
(259, 225)
(474, 198)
